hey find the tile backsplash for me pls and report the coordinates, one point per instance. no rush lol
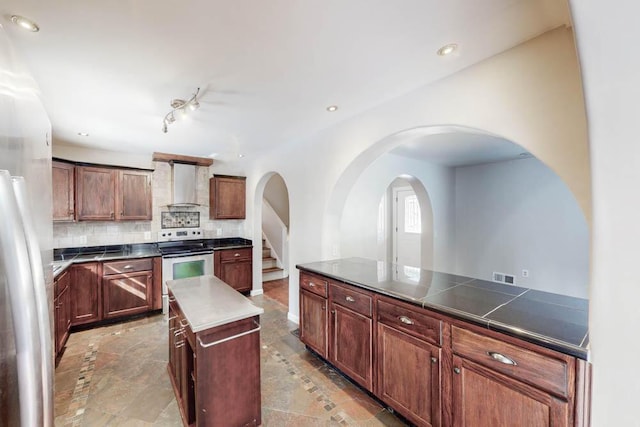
(96, 233)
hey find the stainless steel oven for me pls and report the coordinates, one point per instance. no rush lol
(184, 254)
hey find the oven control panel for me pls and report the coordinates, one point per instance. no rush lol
(169, 234)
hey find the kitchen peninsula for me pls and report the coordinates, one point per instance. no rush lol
(214, 353)
(443, 349)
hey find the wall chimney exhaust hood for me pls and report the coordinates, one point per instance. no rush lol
(184, 185)
(184, 179)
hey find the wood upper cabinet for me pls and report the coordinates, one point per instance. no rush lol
(134, 195)
(235, 268)
(85, 293)
(63, 181)
(351, 333)
(500, 383)
(314, 322)
(227, 197)
(109, 194)
(96, 193)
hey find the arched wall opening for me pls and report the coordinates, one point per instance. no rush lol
(511, 213)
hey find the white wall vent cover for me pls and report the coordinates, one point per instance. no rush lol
(508, 279)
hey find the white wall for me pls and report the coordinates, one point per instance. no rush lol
(276, 194)
(605, 33)
(359, 224)
(539, 106)
(517, 215)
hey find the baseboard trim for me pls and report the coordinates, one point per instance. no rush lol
(255, 292)
(295, 319)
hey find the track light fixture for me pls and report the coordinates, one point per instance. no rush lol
(181, 106)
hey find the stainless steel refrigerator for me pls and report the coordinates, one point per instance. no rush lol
(26, 278)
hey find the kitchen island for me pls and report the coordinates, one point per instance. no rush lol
(443, 349)
(214, 353)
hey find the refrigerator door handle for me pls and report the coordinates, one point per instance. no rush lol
(41, 300)
(23, 307)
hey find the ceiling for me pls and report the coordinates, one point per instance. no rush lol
(266, 70)
(460, 149)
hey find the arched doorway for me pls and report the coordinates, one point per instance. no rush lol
(272, 197)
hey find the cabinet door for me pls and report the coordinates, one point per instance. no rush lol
(96, 191)
(483, 397)
(62, 322)
(57, 315)
(351, 349)
(85, 293)
(134, 195)
(409, 375)
(63, 180)
(238, 275)
(227, 197)
(127, 294)
(313, 322)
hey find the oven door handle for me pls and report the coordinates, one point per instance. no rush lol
(188, 254)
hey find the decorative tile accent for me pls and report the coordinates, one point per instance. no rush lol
(81, 391)
(180, 219)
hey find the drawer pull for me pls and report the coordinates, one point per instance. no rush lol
(236, 254)
(502, 358)
(312, 285)
(406, 320)
(456, 370)
(350, 299)
(127, 267)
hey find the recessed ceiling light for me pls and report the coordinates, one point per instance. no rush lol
(83, 134)
(240, 155)
(332, 108)
(25, 23)
(447, 49)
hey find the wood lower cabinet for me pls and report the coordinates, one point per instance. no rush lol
(314, 322)
(483, 397)
(62, 310)
(63, 183)
(351, 344)
(235, 268)
(227, 197)
(409, 362)
(438, 371)
(112, 289)
(212, 384)
(86, 298)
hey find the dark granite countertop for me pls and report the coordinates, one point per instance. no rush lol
(554, 321)
(63, 258)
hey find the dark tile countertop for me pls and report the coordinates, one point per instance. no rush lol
(63, 258)
(558, 322)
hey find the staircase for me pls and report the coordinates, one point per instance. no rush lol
(270, 268)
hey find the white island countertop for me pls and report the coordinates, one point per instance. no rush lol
(207, 302)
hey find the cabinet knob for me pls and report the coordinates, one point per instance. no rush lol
(434, 360)
(350, 299)
(311, 284)
(456, 370)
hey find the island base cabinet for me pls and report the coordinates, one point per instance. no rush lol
(313, 322)
(485, 398)
(227, 384)
(351, 350)
(409, 376)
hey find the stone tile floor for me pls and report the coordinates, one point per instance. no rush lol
(116, 376)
